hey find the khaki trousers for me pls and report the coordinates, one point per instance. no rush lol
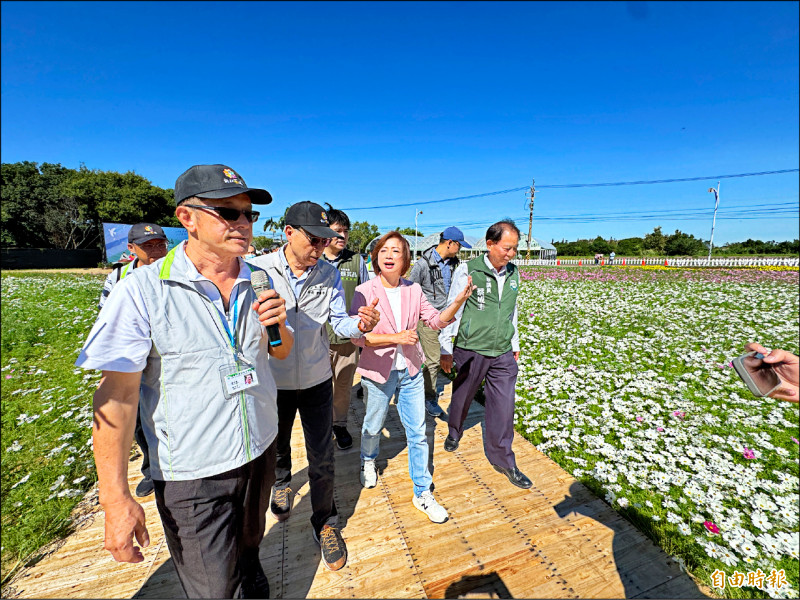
(344, 360)
(430, 346)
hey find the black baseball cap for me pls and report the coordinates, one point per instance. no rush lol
(216, 181)
(144, 232)
(312, 218)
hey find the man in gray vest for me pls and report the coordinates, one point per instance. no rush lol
(314, 296)
(343, 353)
(185, 338)
(147, 242)
(434, 272)
(487, 347)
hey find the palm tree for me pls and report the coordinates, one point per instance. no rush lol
(272, 225)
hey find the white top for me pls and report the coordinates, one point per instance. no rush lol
(460, 275)
(393, 294)
(120, 338)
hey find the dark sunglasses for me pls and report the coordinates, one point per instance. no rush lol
(316, 241)
(229, 214)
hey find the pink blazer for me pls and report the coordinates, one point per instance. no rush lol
(376, 361)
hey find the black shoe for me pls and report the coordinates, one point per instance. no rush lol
(281, 504)
(145, 488)
(343, 438)
(334, 551)
(515, 476)
(450, 444)
(254, 582)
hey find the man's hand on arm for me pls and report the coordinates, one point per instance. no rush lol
(115, 404)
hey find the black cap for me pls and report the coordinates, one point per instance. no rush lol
(144, 232)
(311, 218)
(216, 181)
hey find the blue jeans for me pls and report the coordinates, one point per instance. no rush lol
(411, 406)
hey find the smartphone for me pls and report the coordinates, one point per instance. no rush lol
(760, 378)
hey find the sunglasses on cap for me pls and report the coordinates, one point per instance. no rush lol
(229, 214)
(316, 241)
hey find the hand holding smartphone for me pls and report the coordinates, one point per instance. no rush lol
(760, 378)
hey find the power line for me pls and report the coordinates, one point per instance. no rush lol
(572, 185)
(730, 213)
(581, 185)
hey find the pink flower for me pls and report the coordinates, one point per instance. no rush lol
(640, 419)
(8, 376)
(711, 527)
(679, 413)
(659, 429)
(748, 454)
(795, 440)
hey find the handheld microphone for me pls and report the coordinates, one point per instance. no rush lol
(261, 283)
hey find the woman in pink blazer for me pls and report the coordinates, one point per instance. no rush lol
(390, 364)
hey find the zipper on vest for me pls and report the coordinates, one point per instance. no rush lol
(242, 398)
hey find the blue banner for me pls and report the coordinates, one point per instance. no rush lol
(116, 239)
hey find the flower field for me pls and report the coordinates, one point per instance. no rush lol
(47, 408)
(625, 381)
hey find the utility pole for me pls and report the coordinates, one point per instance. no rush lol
(532, 195)
(714, 222)
(416, 232)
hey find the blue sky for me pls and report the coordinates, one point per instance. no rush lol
(369, 104)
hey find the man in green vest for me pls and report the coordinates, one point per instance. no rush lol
(487, 347)
(147, 242)
(343, 352)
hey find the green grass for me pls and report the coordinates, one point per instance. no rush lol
(46, 408)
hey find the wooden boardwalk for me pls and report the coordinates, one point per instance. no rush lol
(556, 540)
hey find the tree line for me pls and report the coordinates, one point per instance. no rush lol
(48, 205)
(679, 243)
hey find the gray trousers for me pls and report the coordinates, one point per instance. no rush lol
(344, 361)
(500, 374)
(214, 525)
(429, 339)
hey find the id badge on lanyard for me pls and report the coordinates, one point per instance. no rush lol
(239, 374)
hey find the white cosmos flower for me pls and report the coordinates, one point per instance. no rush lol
(684, 529)
(760, 520)
(728, 557)
(712, 550)
(673, 518)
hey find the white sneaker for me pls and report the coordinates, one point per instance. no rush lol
(427, 504)
(369, 474)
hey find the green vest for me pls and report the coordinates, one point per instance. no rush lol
(486, 326)
(349, 272)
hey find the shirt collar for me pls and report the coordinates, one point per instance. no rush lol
(192, 274)
(499, 273)
(288, 269)
(436, 256)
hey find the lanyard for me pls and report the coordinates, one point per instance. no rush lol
(231, 335)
